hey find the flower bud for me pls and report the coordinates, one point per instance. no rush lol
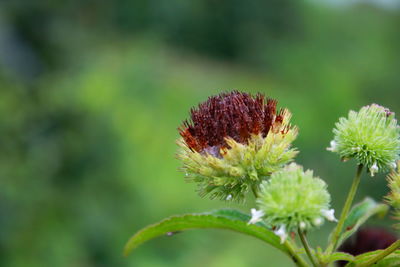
(233, 142)
(293, 198)
(371, 136)
(393, 198)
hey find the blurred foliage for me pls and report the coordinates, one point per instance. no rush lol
(91, 94)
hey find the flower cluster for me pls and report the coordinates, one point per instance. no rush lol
(393, 198)
(293, 199)
(371, 136)
(233, 142)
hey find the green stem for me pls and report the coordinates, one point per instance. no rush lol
(306, 247)
(345, 211)
(381, 255)
(294, 254)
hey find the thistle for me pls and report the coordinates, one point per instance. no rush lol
(371, 136)
(233, 142)
(393, 198)
(293, 199)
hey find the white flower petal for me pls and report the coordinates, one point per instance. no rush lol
(281, 232)
(393, 165)
(374, 169)
(329, 215)
(333, 146)
(256, 216)
(317, 221)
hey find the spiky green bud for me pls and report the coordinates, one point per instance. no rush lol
(371, 136)
(393, 198)
(235, 141)
(293, 199)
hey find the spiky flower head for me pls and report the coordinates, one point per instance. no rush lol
(393, 198)
(371, 136)
(233, 141)
(294, 199)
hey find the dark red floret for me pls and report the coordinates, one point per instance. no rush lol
(237, 115)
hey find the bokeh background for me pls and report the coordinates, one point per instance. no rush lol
(92, 92)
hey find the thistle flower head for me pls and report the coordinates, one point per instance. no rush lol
(233, 141)
(371, 136)
(393, 198)
(294, 199)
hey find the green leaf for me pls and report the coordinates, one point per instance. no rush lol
(340, 256)
(220, 219)
(359, 214)
(336, 256)
(391, 260)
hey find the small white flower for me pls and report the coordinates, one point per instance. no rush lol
(374, 169)
(229, 197)
(256, 216)
(333, 146)
(302, 225)
(317, 221)
(329, 215)
(281, 232)
(393, 165)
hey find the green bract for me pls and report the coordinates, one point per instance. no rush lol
(293, 199)
(241, 168)
(371, 136)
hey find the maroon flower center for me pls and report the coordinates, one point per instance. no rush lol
(236, 115)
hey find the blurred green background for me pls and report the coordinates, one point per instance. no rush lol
(92, 92)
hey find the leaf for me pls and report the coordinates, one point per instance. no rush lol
(220, 219)
(391, 260)
(336, 256)
(359, 214)
(340, 256)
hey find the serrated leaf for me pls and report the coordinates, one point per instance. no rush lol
(359, 214)
(221, 219)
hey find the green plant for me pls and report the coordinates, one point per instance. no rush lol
(236, 144)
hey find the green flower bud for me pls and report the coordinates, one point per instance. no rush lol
(233, 142)
(393, 198)
(293, 199)
(371, 136)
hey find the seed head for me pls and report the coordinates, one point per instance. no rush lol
(371, 136)
(293, 198)
(233, 141)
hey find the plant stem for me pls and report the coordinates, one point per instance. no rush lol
(381, 255)
(294, 255)
(345, 211)
(306, 247)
